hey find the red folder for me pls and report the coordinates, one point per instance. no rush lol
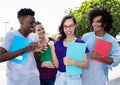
(102, 47)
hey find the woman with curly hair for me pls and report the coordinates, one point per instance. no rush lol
(97, 73)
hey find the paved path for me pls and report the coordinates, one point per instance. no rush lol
(114, 75)
(3, 73)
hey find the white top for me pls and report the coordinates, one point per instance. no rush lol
(17, 71)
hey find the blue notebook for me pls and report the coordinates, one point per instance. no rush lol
(75, 51)
(19, 43)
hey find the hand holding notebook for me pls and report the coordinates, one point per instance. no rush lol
(102, 47)
(19, 43)
(75, 51)
(46, 55)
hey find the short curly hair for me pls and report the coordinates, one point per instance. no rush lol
(25, 12)
(106, 17)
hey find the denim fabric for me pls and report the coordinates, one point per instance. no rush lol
(62, 79)
(49, 81)
(97, 73)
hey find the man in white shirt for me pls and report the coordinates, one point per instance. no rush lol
(27, 73)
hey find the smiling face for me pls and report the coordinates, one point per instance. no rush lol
(69, 27)
(27, 24)
(40, 30)
(97, 24)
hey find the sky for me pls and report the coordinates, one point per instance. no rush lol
(48, 12)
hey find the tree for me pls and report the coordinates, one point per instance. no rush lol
(54, 36)
(81, 13)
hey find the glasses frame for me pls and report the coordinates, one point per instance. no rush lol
(69, 26)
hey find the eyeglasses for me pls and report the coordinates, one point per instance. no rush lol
(70, 26)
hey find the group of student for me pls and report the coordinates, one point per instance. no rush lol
(34, 72)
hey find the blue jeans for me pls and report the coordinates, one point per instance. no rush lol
(47, 81)
(62, 79)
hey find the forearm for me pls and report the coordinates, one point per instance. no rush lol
(97, 56)
(54, 58)
(107, 60)
(10, 55)
(83, 64)
(80, 64)
(37, 56)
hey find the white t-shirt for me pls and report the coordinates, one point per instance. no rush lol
(17, 71)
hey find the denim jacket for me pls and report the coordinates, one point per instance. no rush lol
(90, 39)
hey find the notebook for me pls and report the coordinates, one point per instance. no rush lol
(19, 43)
(46, 55)
(75, 51)
(102, 47)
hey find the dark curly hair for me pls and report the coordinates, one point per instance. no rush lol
(25, 12)
(62, 34)
(106, 17)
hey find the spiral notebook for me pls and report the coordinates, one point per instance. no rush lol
(19, 43)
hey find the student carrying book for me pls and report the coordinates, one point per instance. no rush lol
(60, 60)
(27, 73)
(45, 64)
(97, 73)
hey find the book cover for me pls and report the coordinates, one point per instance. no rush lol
(75, 51)
(102, 47)
(19, 43)
(46, 55)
